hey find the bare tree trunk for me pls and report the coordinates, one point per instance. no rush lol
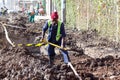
(88, 6)
(63, 11)
(117, 19)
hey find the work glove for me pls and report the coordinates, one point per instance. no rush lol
(42, 40)
(37, 39)
(62, 46)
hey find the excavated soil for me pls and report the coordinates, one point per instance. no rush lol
(93, 57)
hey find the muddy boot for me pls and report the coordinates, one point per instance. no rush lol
(51, 60)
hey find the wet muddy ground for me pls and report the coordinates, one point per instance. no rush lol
(93, 57)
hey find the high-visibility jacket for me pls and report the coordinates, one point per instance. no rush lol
(58, 29)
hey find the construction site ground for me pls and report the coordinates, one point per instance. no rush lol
(93, 57)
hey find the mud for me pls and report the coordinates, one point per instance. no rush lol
(93, 57)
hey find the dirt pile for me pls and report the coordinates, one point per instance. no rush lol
(96, 69)
(19, 63)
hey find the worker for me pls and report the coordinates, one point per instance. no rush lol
(56, 35)
(5, 10)
(41, 10)
(31, 14)
(2, 10)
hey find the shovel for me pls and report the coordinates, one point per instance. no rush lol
(55, 45)
(68, 49)
(69, 64)
(30, 44)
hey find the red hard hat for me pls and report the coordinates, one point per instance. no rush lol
(54, 15)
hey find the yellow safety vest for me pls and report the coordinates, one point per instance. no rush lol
(58, 29)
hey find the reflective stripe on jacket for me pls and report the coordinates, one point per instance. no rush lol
(58, 29)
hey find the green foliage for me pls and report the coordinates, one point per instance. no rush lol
(99, 13)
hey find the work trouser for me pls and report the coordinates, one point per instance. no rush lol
(31, 18)
(51, 54)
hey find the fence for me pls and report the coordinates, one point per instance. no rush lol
(102, 15)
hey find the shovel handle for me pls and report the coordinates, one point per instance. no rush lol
(57, 46)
